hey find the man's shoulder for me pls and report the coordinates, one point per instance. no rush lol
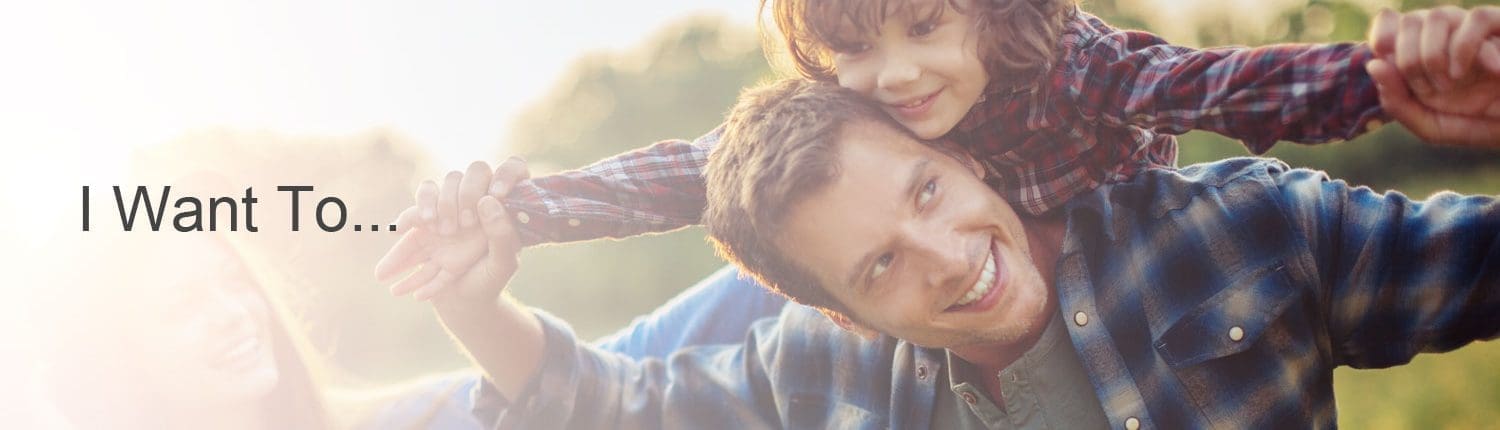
(1224, 172)
(808, 335)
(1160, 190)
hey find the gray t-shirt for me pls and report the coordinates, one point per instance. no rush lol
(1044, 389)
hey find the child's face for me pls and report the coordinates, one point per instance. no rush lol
(922, 64)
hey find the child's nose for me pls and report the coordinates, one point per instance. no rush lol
(897, 72)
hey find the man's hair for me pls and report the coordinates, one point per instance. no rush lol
(1018, 39)
(780, 145)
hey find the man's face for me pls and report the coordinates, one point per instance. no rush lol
(916, 246)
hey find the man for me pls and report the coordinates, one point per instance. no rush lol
(1223, 294)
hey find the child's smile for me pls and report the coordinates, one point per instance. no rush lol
(922, 64)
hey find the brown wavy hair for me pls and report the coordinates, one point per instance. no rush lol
(780, 145)
(1018, 38)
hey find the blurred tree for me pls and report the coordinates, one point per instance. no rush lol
(677, 84)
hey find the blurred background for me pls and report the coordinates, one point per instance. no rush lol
(365, 99)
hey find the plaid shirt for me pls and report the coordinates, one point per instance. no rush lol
(1223, 296)
(1108, 109)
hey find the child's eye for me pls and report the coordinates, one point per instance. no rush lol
(923, 29)
(928, 190)
(882, 263)
(850, 48)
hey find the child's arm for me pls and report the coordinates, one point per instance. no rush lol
(653, 189)
(1303, 93)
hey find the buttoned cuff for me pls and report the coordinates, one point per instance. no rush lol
(547, 401)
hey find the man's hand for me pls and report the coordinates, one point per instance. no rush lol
(464, 249)
(441, 239)
(1438, 72)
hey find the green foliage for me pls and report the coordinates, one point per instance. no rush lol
(678, 84)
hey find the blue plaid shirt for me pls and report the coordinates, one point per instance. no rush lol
(1220, 295)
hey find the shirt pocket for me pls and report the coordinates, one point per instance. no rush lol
(1247, 354)
(1230, 321)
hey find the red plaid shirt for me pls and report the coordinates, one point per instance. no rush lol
(1110, 107)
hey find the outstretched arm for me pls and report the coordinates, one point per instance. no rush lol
(1301, 93)
(648, 190)
(464, 276)
(549, 379)
(1396, 277)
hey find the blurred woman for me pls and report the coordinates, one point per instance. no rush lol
(172, 330)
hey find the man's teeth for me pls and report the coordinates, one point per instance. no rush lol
(983, 285)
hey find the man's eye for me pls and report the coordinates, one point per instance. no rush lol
(923, 29)
(927, 192)
(882, 263)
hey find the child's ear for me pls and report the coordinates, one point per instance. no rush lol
(846, 323)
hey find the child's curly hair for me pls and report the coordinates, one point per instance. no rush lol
(1018, 38)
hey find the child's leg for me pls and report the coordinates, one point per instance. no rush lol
(718, 310)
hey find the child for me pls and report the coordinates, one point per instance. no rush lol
(1051, 99)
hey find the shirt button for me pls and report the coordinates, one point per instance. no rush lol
(969, 397)
(523, 217)
(1080, 318)
(574, 222)
(1132, 424)
(922, 373)
(1373, 125)
(1236, 333)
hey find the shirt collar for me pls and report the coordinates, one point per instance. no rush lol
(961, 372)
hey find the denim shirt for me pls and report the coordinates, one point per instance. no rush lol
(1221, 295)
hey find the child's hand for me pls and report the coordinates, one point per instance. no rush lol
(1435, 48)
(1438, 72)
(439, 260)
(456, 208)
(464, 267)
(452, 208)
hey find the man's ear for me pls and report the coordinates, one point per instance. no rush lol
(957, 151)
(846, 323)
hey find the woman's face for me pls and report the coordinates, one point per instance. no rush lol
(205, 328)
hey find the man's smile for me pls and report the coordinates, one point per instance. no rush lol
(982, 294)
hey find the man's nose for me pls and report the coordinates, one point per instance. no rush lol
(943, 253)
